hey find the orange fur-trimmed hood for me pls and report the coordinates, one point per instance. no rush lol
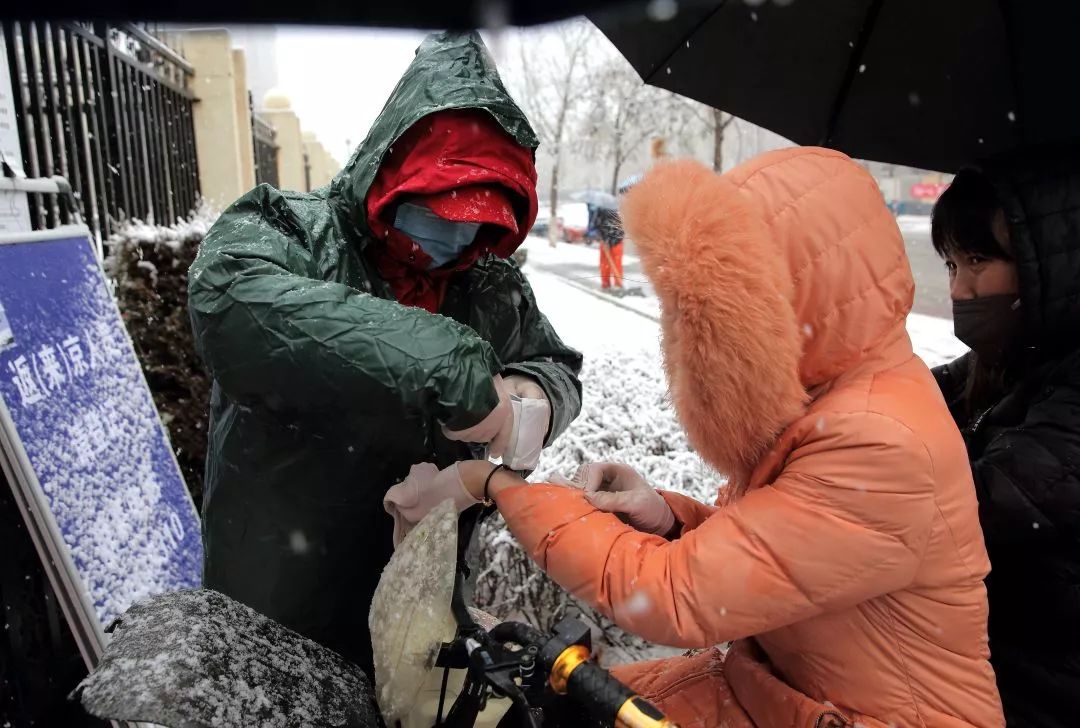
(774, 279)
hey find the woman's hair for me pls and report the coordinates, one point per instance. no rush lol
(963, 218)
(962, 222)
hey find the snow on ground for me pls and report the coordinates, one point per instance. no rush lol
(931, 337)
(541, 252)
(586, 321)
(914, 223)
(626, 417)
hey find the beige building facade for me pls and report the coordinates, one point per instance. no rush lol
(224, 142)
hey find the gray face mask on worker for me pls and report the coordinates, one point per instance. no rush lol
(989, 325)
(443, 240)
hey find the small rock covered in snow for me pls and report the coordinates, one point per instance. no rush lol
(198, 658)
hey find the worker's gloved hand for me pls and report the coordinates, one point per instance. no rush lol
(424, 488)
(619, 489)
(495, 428)
(531, 423)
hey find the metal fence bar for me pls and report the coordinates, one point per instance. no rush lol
(40, 109)
(164, 141)
(103, 135)
(65, 86)
(143, 112)
(87, 136)
(21, 84)
(54, 139)
(263, 139)
(116, 126)
(64, 100)
(174, 147)
(190, 161)
(177, 153)
(53, 99)
(129, 100)
(125, 160)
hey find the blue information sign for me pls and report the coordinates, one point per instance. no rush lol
(82, 437)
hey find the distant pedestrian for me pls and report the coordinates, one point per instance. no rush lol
(609, 233)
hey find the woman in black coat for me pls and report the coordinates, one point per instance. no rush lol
(1009, 233)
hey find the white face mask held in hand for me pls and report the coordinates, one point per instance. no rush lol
(531, 420)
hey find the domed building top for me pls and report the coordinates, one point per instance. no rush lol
(276, 100)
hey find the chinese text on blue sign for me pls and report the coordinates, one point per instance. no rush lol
(82, 411)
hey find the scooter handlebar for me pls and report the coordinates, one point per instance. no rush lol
(604, 697)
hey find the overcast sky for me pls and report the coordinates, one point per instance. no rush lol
(339, 78)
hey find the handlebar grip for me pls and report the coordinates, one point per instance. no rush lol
(611, 702)
(637, 712)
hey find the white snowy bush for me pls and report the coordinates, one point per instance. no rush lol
(626, 417)
(133, 234)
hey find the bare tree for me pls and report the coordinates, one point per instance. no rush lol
(720, 123)
(715, 123)
(553, 79)
(622, 114)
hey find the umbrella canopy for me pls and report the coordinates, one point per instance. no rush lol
(629, 182)
(597, 198)
(918, 82)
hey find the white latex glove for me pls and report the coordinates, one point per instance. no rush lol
(617, 488)
(424, 488)
(496, 428)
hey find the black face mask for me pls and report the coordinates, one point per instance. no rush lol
(990, 325)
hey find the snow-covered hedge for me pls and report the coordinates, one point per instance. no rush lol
(148, 266)
(625, 417)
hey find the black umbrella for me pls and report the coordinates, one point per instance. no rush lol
(926, 83)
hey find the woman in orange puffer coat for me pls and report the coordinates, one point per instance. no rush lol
(846, 561)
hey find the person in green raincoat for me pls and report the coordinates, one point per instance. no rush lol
(361, 328)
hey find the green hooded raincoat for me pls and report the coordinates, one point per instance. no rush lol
(326, 390)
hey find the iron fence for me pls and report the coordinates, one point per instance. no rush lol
(263, 137)
(107, 107)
